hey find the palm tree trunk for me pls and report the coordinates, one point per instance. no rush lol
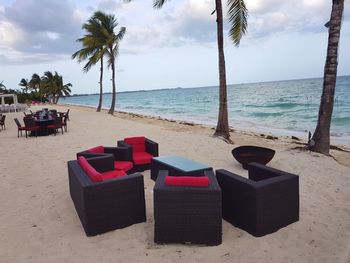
(111, 110)
(101, 90)
(222, 128)
(321, 137)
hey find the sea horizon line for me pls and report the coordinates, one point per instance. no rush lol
(209, 86)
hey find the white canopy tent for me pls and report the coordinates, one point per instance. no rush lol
(15, 106)
(3, 96)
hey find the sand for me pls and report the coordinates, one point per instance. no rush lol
(38, 222)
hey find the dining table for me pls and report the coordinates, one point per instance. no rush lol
(43, 122)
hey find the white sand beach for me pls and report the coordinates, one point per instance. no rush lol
(38, 221)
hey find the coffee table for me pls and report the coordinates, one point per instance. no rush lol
(177, 165)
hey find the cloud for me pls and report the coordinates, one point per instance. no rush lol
(270, 17)
(109, 5)
(32, 28)
(190, 22)
(34, 16)
(186, 23)
(12, 57)
(9, 34)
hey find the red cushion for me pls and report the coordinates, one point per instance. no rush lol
(142, 157)
(89, 170)
(138, 143)
(112, 174)
(97, 149)
(122, 165)
(187, 180)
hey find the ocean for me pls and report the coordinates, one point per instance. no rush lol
(279, 107)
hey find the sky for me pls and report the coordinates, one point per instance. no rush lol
(170, 47)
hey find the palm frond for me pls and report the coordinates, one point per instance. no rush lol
(158, 3)
(93, 59)
(237, 16)
(121, 34)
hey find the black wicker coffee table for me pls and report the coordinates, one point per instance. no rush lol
(177, 165)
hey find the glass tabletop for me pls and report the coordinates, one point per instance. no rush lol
(182, 163)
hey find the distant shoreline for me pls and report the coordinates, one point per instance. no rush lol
(210, 86)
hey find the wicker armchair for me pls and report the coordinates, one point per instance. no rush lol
(30, 126)
(57, 124)
(262, 204)
(122, 156)
(187, 214)
(20, 128)
(142, 151)
(107, 205)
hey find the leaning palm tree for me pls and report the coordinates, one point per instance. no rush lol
(62, 90)
(111, 43)
(320, 141)
(52, 87)
(25, 84)
(2, 85)
(35, 82)
(237, 16)
(93, 50)
(48, 85)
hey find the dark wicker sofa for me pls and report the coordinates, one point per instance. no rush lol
(262, 204)
(150, 148)
(107, 205)
(187, 214)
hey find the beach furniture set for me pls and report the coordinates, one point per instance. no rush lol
(190, 199)
(43, 123)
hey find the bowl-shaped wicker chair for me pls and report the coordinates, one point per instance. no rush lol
(248, 154)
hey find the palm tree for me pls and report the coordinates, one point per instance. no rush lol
(93, 50)
(35, 82)
(100, 41)
(237, 16)
(25, 84)
(62, 90)
(111, 44)
(53, 88)
(2, 86)
(320, 141)
(47, 87)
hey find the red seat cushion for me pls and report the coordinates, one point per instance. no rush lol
(138, 143)
(89, 170)
(97, 149)
(112, 174)
(142, 157)
(202, 181)
(123, 165)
